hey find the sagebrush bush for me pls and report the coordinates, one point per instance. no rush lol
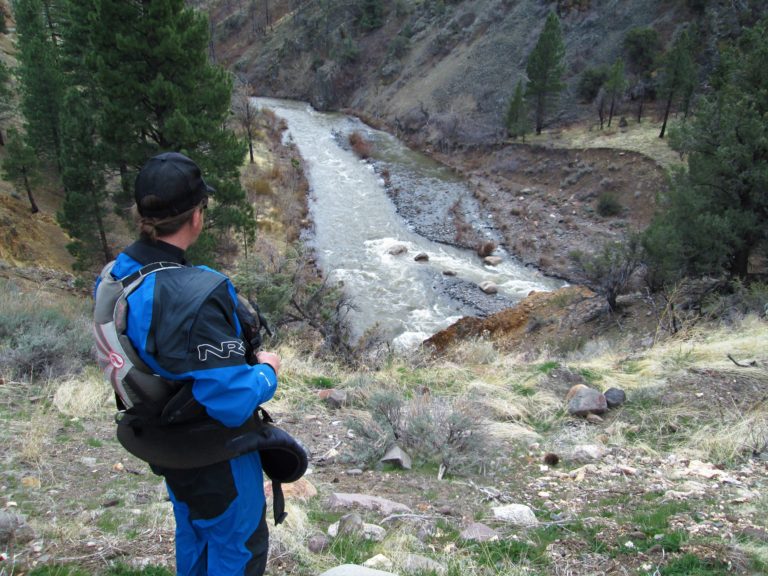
(360, 145)
(43, 336)
(432, 430)
(608, 205)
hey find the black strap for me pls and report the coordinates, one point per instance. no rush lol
(278, 502)
(148, 269)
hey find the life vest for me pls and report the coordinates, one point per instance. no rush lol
(160, 421)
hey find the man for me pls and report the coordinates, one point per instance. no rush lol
(183, 323)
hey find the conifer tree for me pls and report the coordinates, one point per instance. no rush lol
(158, 92)
(641, 47)
(517, 114)
(715, 216)
(545, 69)
(83, 211)
(40, 79)
(5, 97)
(20, 165)
(615, 86)
(678, 78)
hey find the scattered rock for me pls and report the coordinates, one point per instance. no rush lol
(14, 529)
(449, 273)
(397, 250)
(594, 419)
(334, 398)
(318, 543)
(489, 287)
(302, 490)
(587, 453)
(615, 397)
(421, 257)
(414, 563)
(516, 514)
(354, 570)
(478, 532)
(492, 260)
(350, 524)
(587, 400)
(378, 561)
(398, 457)
(345, 500)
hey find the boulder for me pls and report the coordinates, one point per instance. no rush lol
(421, 257)
(585, 401)
(492, 260)
(334, 398)
(416, 564)
(516, 514)
(489, 287)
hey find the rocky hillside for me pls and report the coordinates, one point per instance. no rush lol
(441, 71)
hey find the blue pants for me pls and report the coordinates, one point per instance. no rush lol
(221, 527)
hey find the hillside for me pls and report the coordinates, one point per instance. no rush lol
(442, 72)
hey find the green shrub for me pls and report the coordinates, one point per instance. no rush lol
(432, 430)
(590, 82)
(42, 337)
(608, 205)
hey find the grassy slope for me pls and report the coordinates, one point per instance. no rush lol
(91, 504)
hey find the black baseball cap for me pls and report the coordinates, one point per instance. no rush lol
(168, 185)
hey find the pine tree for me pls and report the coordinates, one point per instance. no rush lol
(517, 114)
(545, 69)
(615, 86)
(678, 78)
(641, 47)
(40, 79)
(6, 94)
(83, 211)
(716, 213)
(20, 165)
(158, 92)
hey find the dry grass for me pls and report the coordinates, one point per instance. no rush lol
(642, 138)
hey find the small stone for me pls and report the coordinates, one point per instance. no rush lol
(397, 456)
(489, 287)
(594, 419)
(378, 561)
(353, 472)
(421, 257)
(587, 400)
(318, 543)
(351, 524)
(415, 563)
(333, 397)
(478, 532)
(118, 467)
(615, 397)
(492, 260)
(449, 273)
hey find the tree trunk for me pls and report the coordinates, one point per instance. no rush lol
(666, 114)
(250, 149)
(740, 263)
(610, 111)
(32, 202)
(2, 140)
(640, 109)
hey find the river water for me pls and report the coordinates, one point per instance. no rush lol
(356, 224)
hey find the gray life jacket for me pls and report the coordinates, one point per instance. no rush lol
(160, 421)
(138, 389)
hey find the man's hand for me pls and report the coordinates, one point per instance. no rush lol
(270, 358)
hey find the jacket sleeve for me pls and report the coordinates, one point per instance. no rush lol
(227, 386)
